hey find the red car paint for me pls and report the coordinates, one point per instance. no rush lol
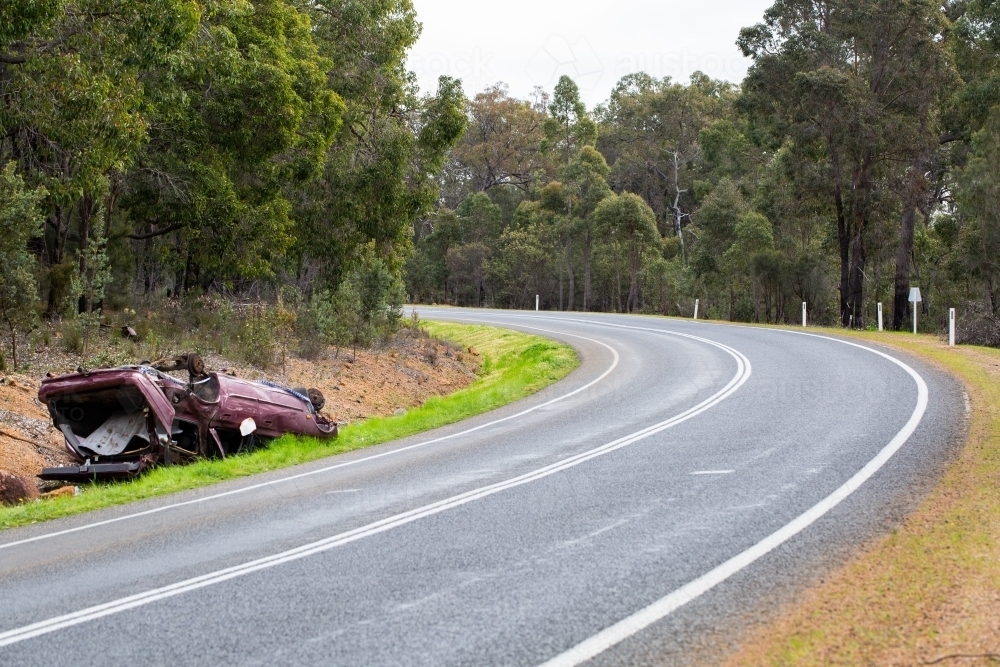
(183, 420)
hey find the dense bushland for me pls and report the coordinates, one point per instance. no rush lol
(277, 152)
(859, 158)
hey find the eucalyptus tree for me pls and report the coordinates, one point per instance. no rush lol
(569, 129)
(73, 115)
(502, 143)
(854, 79)
(978, 198)
(585, 180)
(568, 126)
(20, 221)
(380, 175)
(650, 129)
(239, 125)
(628, 224)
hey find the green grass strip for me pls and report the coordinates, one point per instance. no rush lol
(514, 365)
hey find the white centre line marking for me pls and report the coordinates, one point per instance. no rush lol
(711, 472)
(16, 635)
(281, 480)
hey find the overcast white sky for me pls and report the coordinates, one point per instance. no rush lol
(527, 43)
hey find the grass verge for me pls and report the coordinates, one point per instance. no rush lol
(929, 592)
(514, 365)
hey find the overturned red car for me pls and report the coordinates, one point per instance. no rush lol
(121, 421)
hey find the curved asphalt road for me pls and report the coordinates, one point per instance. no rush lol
(642, 511)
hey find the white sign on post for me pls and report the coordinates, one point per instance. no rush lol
(915, 299)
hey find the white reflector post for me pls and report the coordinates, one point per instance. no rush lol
(803, 313)
(879, 315)
(536, 302)
(696, 309)
(951, 327)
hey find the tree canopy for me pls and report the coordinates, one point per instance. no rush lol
(177, 147)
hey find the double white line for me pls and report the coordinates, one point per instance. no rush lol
(666, 605)
(123, 604)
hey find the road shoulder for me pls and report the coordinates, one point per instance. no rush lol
(928, 592)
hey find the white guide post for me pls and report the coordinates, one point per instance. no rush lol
(951, 327)
(915, 299)
(879, 315)
(696, 309)
(536, 302)
(803, 313)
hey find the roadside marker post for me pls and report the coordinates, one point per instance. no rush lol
(803, 314)
(951, 327)
(696, 309)
(879, 315)
(915, 299)
(536, 303)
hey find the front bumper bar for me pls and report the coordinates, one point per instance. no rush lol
(94, 472)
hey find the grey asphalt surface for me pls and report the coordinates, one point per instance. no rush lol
(519, 576)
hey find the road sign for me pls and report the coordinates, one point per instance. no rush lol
(915, 299)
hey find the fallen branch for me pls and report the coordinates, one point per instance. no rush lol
(963, 656)
(37, 445)
(16, 437)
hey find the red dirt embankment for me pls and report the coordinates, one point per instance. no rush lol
(402, 374)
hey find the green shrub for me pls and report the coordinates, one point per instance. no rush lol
(72, 337)
(256, 341)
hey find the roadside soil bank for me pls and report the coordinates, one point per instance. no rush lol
(514, 365)
(928, 593)
(402, 374)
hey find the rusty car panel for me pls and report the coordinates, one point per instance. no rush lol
(119, 422)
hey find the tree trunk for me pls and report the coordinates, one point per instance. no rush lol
(569, 270)
(633, 288)
(860, 207)
(560, 285)
(13, 345)
(618, 280)
(915, 193)
(86, 211)
(678, 216)
(844, 237)
(901, 296)
(856, 295)
(586, 271)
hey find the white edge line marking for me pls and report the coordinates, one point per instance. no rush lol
(46, 626)
(195, 501)
(642, 619)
